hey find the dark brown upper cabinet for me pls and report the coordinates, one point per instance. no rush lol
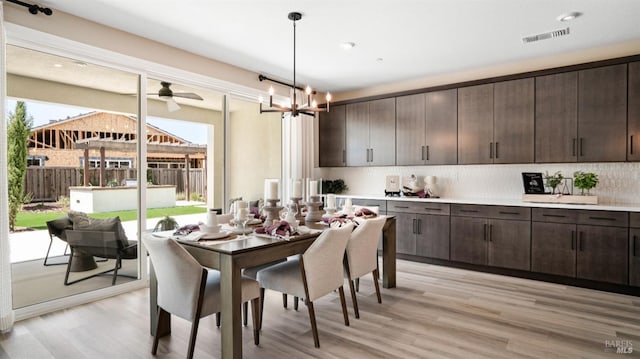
(633, 139)
(426, 128)
(496, 122)
(602, 114)
(556, 117)
(475, 124)
(371, 128)
(332, 137)
(513, 121)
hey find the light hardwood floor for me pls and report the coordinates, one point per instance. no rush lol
(436, 312)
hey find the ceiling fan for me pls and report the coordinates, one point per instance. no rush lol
(165, 93)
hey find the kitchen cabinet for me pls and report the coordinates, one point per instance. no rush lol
(497, 236)
(371, 128)
(556, 123)
(422, 229)
(496, 122)
(634, 249)
(602, 114)
(332, 137)
(426, 128)
(633, 139)
(475, 124)
(580, 243)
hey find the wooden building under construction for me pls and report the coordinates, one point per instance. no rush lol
(62, 143)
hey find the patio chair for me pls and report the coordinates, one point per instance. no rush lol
(57, 228)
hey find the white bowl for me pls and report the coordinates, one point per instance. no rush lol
(210, 229)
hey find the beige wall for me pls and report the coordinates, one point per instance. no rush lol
(254, 149)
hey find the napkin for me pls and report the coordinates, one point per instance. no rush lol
(282, 230)
(365, 212)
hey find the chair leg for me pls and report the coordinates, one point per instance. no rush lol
(314, 327)
(255, 316)
(261, 306)
(343, 301)
(192, 339)
(162, 314)
(295, 302)
(115, 270)
(245, 312)
(284, 300)
(66, 276)
(357, 284)
(218, 317)
(353, 298)
(377, 285)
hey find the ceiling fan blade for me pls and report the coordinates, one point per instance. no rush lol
(189, 95)
(172, 105)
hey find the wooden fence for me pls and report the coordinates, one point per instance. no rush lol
(49, 183)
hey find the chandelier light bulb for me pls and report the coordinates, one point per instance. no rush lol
(260, 99)
(271, 90)
(328, 97)
(308, 90)
(314, 104)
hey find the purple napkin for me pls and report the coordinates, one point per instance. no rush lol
(282, 229)
(365, 212)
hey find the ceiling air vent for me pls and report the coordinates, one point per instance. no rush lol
(545, 35)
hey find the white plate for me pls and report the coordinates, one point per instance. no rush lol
(238, 230)
(217, 235)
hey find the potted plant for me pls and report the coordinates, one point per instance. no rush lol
(336, 186)
(166, 224)
(553, 180)
(585, 181)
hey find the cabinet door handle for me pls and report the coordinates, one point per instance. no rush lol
(490, 233)
(631, 145)
(372, 155)
(419, 226)
(573, 240)
(484, 238)
(405, 207)
(554, 215)
(581, 146)
(414, 226)
(432, 209)
(505, 212)
(422, 149)
(573, 151)
(603, 219)
(427, 147)
(469, 210)
(496, 149)
(490, 149)
(581, 241)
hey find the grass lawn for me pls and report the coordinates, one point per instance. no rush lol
(37, 220)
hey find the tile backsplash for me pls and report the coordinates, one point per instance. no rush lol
(619, 183)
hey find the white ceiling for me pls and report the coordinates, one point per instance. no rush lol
(395, 40)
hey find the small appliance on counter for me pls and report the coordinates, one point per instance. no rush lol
(392, 187)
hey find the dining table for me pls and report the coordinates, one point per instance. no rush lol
(230, 255)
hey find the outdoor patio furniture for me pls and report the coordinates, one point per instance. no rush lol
(57, 228)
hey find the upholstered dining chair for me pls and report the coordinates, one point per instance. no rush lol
(361, 255)
(189, 290)
(374, 209)
(312, 275)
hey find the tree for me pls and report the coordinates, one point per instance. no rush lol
(17, 136)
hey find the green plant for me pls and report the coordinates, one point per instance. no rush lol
(334, 186)
(166, 224)
(585, 181)
(17, 136)
(64, 201)
(195, 196)
(181, 196)
(553, 180)
(113, 183)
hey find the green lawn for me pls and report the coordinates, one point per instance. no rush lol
(38, 220)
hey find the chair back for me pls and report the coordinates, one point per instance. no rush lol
(102, 244)
(323, 261)
(363, 246)
(179, 276)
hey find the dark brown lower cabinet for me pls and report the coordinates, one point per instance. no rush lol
(634, 257)
(432, 239)
(580, 251)
(405, 233)
(495, 242)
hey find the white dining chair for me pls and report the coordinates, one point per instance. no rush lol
(190, 291)
(316, 273)
(361, 255)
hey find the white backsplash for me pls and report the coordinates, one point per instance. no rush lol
(619, 182)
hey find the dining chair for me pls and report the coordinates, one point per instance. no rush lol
(361, 255)
(376, 210)
(189, 290)
(312, 275)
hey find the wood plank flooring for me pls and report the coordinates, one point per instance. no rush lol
(436, 312)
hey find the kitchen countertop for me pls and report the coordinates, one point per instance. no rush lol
(503, 202)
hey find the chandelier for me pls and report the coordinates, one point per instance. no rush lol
(310, 106)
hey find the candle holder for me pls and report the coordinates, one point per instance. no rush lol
(299, 215)
(314, 213)
(272, 211)
(330, 211)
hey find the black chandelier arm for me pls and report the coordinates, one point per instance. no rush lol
(265, 78)
(33, 8)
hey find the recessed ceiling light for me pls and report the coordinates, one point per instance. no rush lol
(348, 45)
(568, 16)
(379, 59)
(57, 65)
